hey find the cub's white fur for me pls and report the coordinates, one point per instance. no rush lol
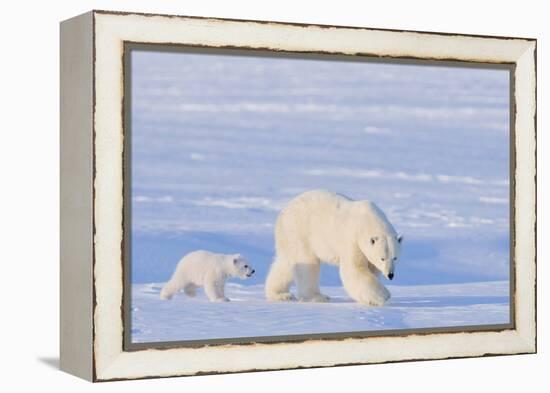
(322, 226)
(206, 269)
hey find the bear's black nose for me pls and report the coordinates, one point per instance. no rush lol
(252, 272)
(390, 276)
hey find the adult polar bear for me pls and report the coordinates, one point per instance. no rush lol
(322, 226)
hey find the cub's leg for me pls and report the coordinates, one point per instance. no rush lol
(307, 282)
(214, 289)
(278, 281)
(172, 287)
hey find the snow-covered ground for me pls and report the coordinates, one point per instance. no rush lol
(249, 315)
(221, 143)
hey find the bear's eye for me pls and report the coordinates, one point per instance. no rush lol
(246, 266)
(372, 240)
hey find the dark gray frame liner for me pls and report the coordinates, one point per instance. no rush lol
(128, 345)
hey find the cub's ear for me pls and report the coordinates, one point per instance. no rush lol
(235, 260)
(399, 238)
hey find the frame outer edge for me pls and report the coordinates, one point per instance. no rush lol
(525, 198)
(76, 204)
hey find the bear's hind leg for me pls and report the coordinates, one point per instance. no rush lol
(307, 282)
(278, 282)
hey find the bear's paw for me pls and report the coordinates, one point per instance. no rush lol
(317, 298)
(282, 297)
(379, 298)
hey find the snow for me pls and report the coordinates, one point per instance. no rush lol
(248, 314)
(221, 143)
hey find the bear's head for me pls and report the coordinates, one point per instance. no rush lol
(378, 240)
(241, 267)
(382, 251)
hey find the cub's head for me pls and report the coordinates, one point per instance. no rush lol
(382, 250)
(241, 267)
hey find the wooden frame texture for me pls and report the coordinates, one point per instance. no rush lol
(94, 158)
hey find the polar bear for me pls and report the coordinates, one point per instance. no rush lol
(206, 269)
(323, 226)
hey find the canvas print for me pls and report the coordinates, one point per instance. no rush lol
(276, 196)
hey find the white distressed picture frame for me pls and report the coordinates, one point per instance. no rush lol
(92, 189)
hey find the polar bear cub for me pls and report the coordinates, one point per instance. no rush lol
(209, 270)
(321, 226)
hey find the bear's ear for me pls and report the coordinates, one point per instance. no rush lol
(235, 260)
(399, 238)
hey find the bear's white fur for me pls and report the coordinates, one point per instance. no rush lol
(320, 226)
(206, 269)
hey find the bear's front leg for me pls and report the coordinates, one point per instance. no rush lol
(214, 289)
(363, 285)
(380, 295)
